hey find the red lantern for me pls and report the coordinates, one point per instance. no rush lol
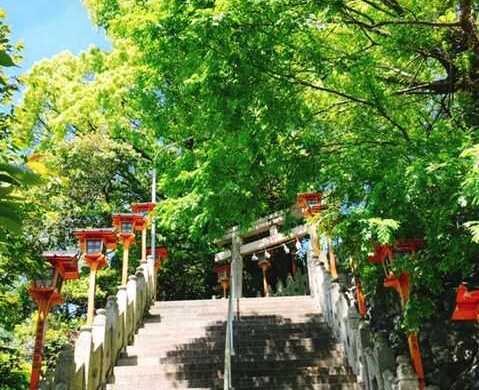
(309, 203)
(66, 262)
(92, 244)
(161, 254)
(467, 304)
(143, 208)
(46, 294)
(384, 255)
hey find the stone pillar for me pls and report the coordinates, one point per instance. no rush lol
(407, 379)
(101, 347)
(153, 282)
(132, 308)
(83, 355)
(113, 329)
(65, 369)
(236, 265)
(141, 306)
(122, 299)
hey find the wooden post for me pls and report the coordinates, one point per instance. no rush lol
(38, 349)
(416, 358)
(402, 285)
(332, 260)
(264, 265)
(225, 285)
(91, 293)
(126, 251)
(265, 283)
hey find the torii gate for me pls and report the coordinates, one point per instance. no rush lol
(234, 238)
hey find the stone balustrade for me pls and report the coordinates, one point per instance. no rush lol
(368, 354)
(88, 365)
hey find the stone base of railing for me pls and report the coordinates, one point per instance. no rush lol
(89, 364)
(367, 353)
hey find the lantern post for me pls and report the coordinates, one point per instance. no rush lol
(384, 255)
(93, 245)
(125, 225)
(46, 294)
(223, 271)
(264, 264)
(143, 209)
(360, 297)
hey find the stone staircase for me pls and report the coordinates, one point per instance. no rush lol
(281, 343)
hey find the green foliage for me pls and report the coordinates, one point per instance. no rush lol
(241, 104)
(381, 230)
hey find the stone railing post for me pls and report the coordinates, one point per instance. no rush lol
(65, 369)
(114, 335)
(102, 352)
(143, 268)
(83, 356)
(150, 262)
(140, 297)
(122, 300)
(406, 378)
(132, 309)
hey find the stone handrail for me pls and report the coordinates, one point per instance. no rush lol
(367, 353)
(89, 364)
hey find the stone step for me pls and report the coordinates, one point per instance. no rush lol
(254, 381)
(323, 368)
(256, 300)
(250, 360)
(318, 345)
(248, 322)
(319, 342)
(285, 386)
(267, 331)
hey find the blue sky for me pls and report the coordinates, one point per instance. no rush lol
(47, 27)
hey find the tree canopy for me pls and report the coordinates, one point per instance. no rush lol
(239, 105)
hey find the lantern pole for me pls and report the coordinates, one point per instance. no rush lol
(91, 293)
(153, 224)
(143, 244)
(44, 303)
(153, 229)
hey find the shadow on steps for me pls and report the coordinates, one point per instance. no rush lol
(272, 352)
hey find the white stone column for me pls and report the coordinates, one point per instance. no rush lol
(113, 328)
(101, 350)
(132, 308)
(236, 265)
(83, 355)
(122, 300)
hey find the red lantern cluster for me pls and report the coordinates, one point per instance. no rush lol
(384, 255)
